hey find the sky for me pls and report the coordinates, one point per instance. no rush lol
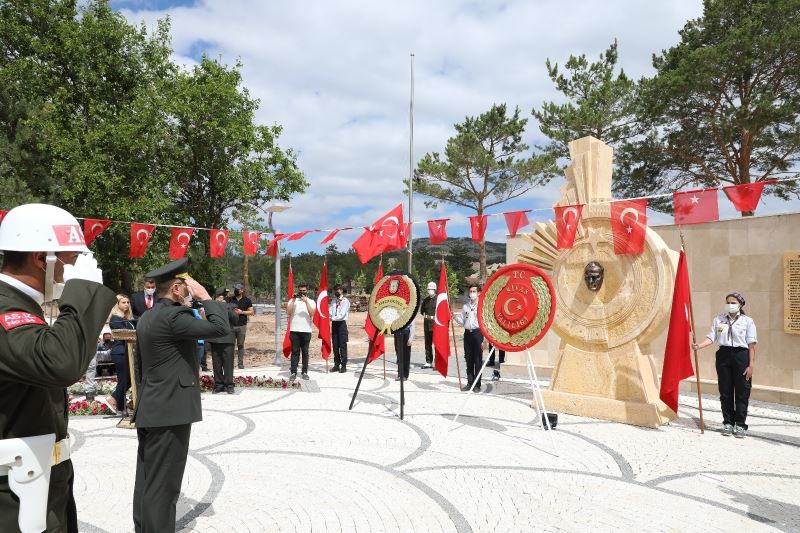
(336, 75)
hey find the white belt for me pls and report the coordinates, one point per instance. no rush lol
(61, 451)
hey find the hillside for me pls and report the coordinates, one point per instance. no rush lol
(495, 251)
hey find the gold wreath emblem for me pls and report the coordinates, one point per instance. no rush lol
(523, 337)
(390, 313)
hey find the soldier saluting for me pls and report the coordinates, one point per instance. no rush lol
(44, 259)
(169, 393)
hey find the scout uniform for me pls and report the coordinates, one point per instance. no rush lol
(169, 399)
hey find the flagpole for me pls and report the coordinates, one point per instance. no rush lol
(411, 165)
(694, 342)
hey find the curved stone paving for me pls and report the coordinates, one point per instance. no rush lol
(300, 461)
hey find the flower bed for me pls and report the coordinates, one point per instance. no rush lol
(264, 382)
(84, 408)
(106, 386)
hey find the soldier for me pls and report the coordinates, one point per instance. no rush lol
(428, 309)
(42, 262)
(169, 394)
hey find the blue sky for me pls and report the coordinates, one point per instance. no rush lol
(335, 75)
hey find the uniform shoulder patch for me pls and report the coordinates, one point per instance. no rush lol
(15, 319)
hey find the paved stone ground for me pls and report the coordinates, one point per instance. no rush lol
(266, 460)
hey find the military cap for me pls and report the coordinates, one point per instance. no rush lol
(175, 269)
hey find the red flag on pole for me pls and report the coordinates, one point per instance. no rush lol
(140, 238)
(321, 317)
(369, 327)
(516, 220)
(287, 341)
(441, 325)
(695, 207)
(437, 230)
(218, 241)
(332, 234)
(677, 355)
(382, 236)
(567, 219)
(92, 227)
(629, 226)
(272, 247)
(405, 231)
(179, 242)
(251, 242)
(745, 197)
(478, 226)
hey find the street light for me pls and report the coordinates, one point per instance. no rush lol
(277, 208)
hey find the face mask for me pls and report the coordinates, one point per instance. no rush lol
(237, 293)
(431, 292)
(150, 292)
(732, 308)
(473, 296)
(339, 294)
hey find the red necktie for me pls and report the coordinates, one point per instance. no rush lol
(149, 301)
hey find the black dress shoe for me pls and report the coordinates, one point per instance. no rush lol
(465, 388)
(477, 388)
(343, 369)
(217, 391)
(335, 368)
(230, 390)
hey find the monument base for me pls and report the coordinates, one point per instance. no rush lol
(637, 413)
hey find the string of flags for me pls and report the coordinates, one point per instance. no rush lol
(390, 232)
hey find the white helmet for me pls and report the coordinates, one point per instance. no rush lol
(432, 286)
(41, 228)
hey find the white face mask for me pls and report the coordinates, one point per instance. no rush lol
(473, 296)
(732, 308)
(150, 292)
(431, 292)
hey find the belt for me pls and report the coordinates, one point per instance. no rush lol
(61, 451)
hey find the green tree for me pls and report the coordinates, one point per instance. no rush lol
(483, 166)
(724, 105)
(599, 103)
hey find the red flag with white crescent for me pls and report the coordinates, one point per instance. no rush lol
(287, 341)
(218, 242)
(369, 327)
(516, 220)
(567, 219)
(437, 230)
(140, 238)
(92, 227)
(382, 236)
(441, 325)
(251, 242)
(478, 226)
(179, 242)
(629, 226)
(322, 317)
(695, 207)
(677, 355)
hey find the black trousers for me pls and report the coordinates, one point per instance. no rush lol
(403, 351)
(123, 372)
(339, 341)
(429, 343)
(160, 462)
(61, 512)
(734, 389)
(473, 355)
(300, 340)
(222, 360)
(502, 356)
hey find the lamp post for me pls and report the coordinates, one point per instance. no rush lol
(277, 208)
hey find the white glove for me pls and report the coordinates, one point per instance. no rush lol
(85, 268)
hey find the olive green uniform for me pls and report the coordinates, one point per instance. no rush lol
(428, 309)
(169, 402)
(37, 362)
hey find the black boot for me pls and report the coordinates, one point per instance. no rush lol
(343, 369)
(335, 367)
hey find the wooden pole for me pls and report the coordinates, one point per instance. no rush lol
(694, 342)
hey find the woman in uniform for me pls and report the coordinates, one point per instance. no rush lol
(735, 333)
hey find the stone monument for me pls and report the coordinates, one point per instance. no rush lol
(608, 306)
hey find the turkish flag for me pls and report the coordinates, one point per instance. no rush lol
(629, 226)
(322, 317)
(300, 234)
(250, 239)
(695, 207)
(441, 325)
(567, 219)
(478, 225)
(745, 197)
(677, 357)
(380, 341)
(92, 227)
(382, 236)
(218, 242)
(272, 247)
(179, 242)
(140, 238)
(515, 220)
(404, 234)
(3, 214)
(287, 341)
(332, 234)
(437, 230)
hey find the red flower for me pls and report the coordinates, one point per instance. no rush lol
(84, 405)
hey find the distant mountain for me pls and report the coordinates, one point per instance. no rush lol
(495, 251)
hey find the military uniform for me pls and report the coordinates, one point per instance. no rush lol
(428, 309)
(37, 362)
(169, 401)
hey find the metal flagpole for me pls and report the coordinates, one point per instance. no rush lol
(694, 341)
(411, 165)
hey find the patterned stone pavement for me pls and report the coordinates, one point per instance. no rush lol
(275, 460)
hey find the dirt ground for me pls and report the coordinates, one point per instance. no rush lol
(260, 340)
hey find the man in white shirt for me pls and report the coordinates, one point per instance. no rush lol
(301, 308)
(339, 310)
(474, 344)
